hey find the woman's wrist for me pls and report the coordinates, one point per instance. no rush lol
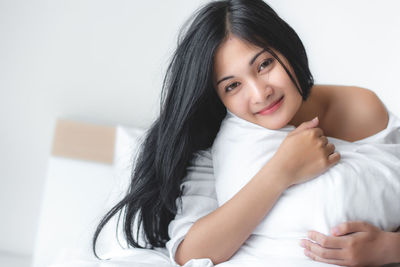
(392, 244)
(280, 176)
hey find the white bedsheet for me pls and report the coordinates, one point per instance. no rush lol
(364, 185)
(134, 257)
(124, 258)
(152, 258)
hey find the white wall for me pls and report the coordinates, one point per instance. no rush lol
(98, 61)
(103, 61)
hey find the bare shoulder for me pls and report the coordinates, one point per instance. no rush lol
(354, 113)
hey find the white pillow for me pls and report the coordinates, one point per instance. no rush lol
(363, 185)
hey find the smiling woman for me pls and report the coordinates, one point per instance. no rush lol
(238, 63)
(103, 62)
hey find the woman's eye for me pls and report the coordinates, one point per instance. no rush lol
(265, 64)
(231, 86)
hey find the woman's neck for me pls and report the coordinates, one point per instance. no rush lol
(315, 105)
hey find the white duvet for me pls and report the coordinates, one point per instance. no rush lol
(364, 185)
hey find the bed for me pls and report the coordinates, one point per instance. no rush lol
(88, 172)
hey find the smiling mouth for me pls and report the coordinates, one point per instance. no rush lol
(271, 108)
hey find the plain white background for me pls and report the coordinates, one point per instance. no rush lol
(103, 61)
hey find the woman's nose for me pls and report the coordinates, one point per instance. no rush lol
(260, 92)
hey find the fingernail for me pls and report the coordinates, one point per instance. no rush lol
(309, 233)
(302, 243)
(315, 119)
(335, 231)
(307, 253)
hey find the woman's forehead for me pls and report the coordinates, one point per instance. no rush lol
(234, 47)
(235, 51)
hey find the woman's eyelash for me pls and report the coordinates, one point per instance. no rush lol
(265, 64)
(232, 86)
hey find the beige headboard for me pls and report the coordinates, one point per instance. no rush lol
(86, 141)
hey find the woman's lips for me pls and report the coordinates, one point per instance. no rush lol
(272, 108)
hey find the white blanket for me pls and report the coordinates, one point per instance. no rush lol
(364, 185)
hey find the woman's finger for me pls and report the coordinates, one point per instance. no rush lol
(330, 148)
(318, 132)
(324, 253)
(334, 158)
(324, 140)
(305, 125)
(319, 259)
(351, 227)
(326, 241)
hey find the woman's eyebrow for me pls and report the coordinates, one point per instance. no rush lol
(225, 78)
(250, 63)
(256, 56)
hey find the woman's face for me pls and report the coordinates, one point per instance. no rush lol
(253, 85)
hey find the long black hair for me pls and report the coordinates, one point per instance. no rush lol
(191, 112)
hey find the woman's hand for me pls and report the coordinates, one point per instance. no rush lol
(305, 153)
(352, 244)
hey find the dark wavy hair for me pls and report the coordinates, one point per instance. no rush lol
(191, 112)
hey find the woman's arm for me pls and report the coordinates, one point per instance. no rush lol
(393, 245)
(304, 154)
(219, 235)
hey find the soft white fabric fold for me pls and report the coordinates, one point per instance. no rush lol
(198, 199)
(364, 185)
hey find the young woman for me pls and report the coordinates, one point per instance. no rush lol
(171, 193)
(263, 106)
